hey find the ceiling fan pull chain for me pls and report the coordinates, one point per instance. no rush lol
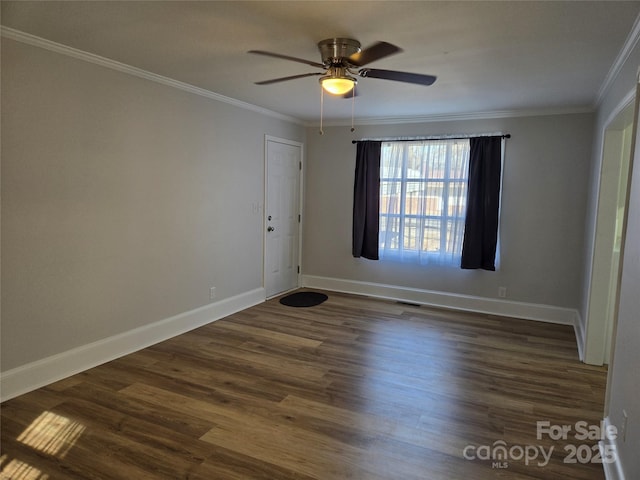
(353, 107)
(321, 109)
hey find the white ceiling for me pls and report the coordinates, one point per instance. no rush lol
(488, 56)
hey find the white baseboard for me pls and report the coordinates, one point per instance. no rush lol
(491, 306)
(42, 372)
(614, 470)
(578, 328)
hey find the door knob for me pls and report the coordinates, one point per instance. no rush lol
(270, 229)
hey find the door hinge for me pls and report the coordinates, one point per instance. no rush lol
(298, 218)
(300, 165)
(298, 268)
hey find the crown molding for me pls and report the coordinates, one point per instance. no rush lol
(452, 117)
(629, 44)
(35, 41)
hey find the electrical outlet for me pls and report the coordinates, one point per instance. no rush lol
(502, 292)
(623, 433)
(212, 293)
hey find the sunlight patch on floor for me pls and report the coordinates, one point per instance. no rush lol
(17, 470)
(52, 434)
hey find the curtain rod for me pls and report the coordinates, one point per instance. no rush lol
(506, 135)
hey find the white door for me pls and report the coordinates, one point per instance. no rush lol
(282, 220)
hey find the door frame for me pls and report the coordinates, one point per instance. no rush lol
(267, 139)
(600, 321)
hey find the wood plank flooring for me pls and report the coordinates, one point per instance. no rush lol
(354, 388)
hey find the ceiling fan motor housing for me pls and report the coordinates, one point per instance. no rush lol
(335, 50)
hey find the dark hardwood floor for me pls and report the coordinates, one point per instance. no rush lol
(354, 388)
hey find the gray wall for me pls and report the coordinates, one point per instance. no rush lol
(623, 389)
(542, 220)
(123, 201)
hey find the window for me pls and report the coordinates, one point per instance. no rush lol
(423, 199)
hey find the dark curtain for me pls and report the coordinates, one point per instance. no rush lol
(366, 200)
(483, 201)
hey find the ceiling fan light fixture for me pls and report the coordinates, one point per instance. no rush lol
(338, 85)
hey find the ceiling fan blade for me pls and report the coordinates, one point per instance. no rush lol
(287, 57)
(292, 77)
(406, 77)
(374, 52)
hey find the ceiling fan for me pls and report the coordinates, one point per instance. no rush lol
(341, 57)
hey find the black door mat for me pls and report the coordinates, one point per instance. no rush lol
(303, 299)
